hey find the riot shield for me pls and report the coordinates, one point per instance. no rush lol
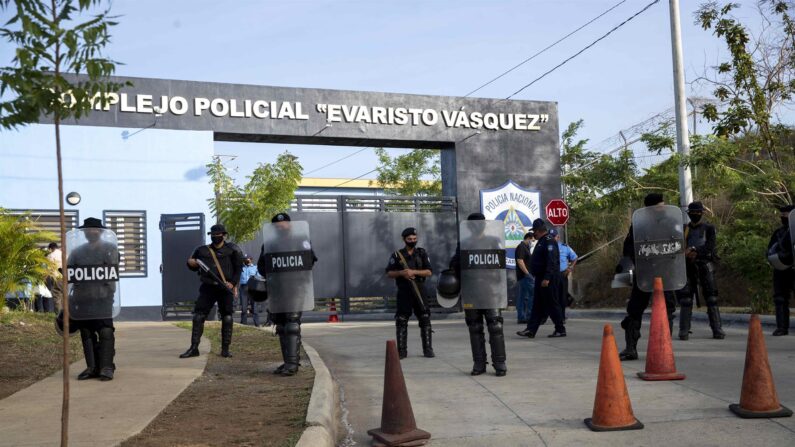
(792, 227)
(92, 270)
(288, 267)
(484, 283)
(659, 247)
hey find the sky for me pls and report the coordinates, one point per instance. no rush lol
(441, 47)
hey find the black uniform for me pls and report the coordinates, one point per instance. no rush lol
(545, 266)
(783, 281)
(638, 302)
(477, 338)
(288, 326)
(230, 258)
(95, 298)
(408, 302)
(700, 271)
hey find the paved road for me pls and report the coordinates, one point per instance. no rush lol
(149, 375)
(550, 387)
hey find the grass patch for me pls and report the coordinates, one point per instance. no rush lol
(31, 349)
(236, 401)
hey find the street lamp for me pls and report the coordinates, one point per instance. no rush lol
(73, 198)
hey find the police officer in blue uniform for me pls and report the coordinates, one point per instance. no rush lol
(545, 267)
(700, 261)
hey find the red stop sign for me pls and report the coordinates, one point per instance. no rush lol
(557, 212)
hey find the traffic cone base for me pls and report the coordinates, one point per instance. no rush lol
(413, 438)
(782, 412)
(636, 426)
(661, 376)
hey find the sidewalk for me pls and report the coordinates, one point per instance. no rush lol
(149, 375)
(550, 387)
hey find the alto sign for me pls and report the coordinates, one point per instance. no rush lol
(557, 212)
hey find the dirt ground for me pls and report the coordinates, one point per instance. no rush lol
(236, 401)
(31, 350)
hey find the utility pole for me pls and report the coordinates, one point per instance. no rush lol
(680, 102)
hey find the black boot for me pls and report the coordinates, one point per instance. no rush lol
(782, 320)
(89, 345)
(427, 344)
(280, 333)
(195, 337)
(631, 335)
(292, 341)
(477, 340)
(715, 323)
(401, 332)
(685, 316)
(226, 335)
(497, 344)
(107, 350)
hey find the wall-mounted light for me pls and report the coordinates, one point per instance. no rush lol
(73, 198)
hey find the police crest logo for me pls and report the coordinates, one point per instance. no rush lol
(516, 208)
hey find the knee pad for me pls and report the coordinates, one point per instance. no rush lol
(778, 299)
(711, 301)
(226, 319)
(292, 328)
(630, 323)
(495, 325)
(425, 320)
(401, 320)
(293, 317)
(475, 326)
(686, 302)
(106, 334)
(199, 318)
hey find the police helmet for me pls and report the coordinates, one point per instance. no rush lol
(447, 289)
(59, 325)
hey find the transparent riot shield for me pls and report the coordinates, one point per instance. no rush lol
(288, 267)
(92, 270)
(484, 283)
(659, 247)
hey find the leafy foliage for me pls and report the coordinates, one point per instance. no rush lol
(243, 209)
(22, 260)
(49, 42)
(407, 174)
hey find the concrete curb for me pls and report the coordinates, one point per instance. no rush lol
(322, 415)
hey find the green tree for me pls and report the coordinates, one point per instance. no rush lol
(417, 173)
(50, 41)
(22, 260)
(269, 190)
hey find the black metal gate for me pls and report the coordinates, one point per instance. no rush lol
(180, 234)
(353, 237)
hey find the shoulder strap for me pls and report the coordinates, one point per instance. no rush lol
(217, 265)
(402, 259)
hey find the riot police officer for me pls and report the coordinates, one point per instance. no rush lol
(286, 261)
(483, 289)
(639, 300)
(780, 246)
(409, 267)
(545, 268)
(700, 255)
(219, 265)
(92, 305)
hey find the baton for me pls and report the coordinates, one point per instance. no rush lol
(206, 269)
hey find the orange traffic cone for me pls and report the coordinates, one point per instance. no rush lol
(660, 364)
(612, 409)
(333, 318)
(398, 427)
(758, 398)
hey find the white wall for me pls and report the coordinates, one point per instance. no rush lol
(160, 171)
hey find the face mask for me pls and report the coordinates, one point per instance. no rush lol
(695, 218)
(411, 244)
(216, 239)
(785, 221)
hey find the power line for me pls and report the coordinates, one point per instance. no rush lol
(346, 181)
(585, 49)
(547, 48)
(337, 161)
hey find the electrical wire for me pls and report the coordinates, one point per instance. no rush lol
(587, 47)
(542, 51)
